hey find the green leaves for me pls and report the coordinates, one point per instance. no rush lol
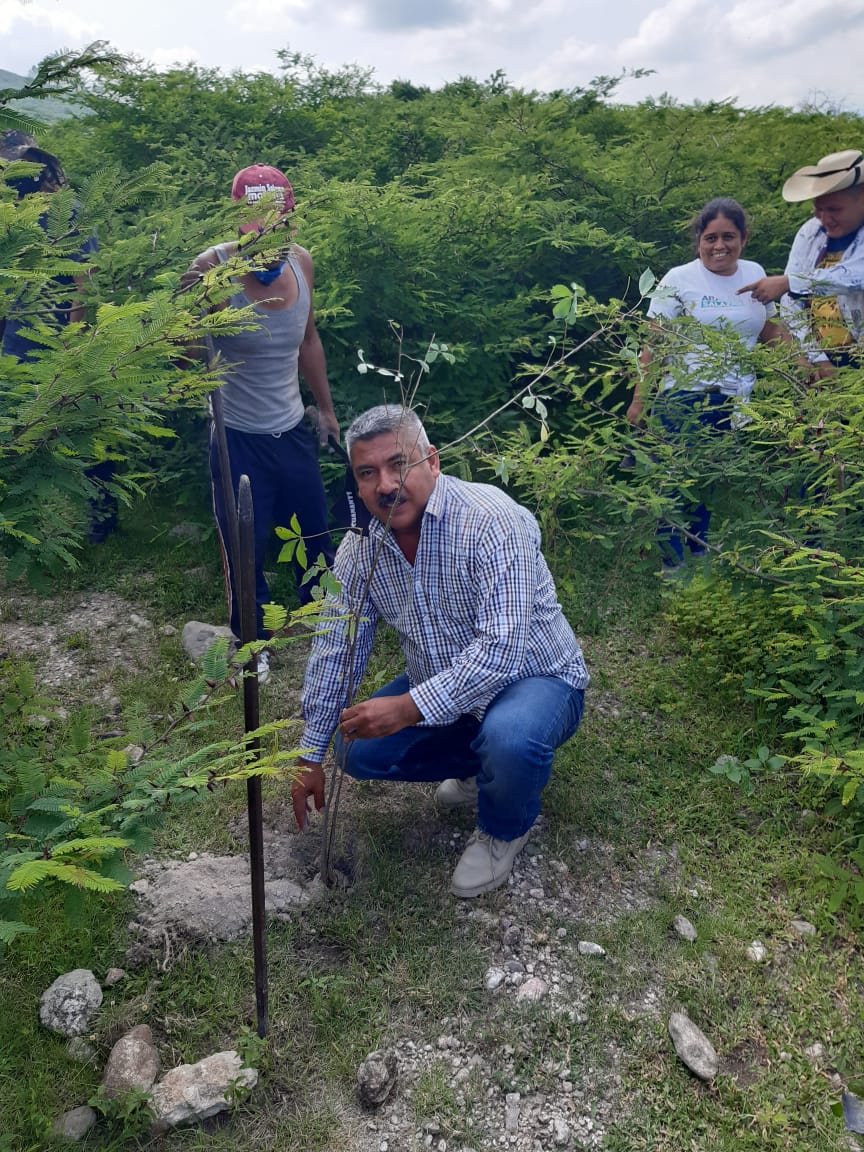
(35, 871)
(9, 929)
(566, 301)
(295, 546)
(646, 282)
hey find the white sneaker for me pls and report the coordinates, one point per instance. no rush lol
(263, 667)
(457, 793)
(485, 864)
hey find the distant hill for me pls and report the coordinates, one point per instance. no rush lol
(49, 110)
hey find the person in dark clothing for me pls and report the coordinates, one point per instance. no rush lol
(16, 339)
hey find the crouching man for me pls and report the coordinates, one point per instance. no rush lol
(494, 678)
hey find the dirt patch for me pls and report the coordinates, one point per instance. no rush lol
(745, 1063)
(206, 899)
(85, 643)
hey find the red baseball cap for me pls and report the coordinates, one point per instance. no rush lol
(258, 180)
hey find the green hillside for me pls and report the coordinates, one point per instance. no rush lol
(47, 111)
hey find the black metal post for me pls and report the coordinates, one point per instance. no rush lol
(248, 632)
(227, 485)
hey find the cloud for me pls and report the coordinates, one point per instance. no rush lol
(697, 30)
(573, 63)
(775, 27)
(32, 31)
(678, 30)
(165, 58)
(393, 15)
(258, 15)
(55, 19)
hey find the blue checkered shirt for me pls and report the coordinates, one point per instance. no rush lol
(475, 612)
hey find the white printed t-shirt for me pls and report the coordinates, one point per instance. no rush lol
(711, 300)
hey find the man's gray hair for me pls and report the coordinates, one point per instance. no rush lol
(388, 418)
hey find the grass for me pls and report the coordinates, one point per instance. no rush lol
(395, 956)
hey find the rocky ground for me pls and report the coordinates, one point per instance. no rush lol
(484, 1077)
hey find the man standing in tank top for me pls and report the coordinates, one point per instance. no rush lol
(267, 437)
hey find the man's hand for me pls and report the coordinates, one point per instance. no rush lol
(824, 370)
(311, 783)
(767, 289)
(380, 716)
(328, 426)
(635, 411)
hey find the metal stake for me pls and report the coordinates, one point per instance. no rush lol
(228, 501)
(248, 633)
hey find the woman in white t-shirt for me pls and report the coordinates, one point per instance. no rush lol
(706, 381)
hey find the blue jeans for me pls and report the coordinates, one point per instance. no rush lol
(285, 478)
(689, 415)
(509, 751)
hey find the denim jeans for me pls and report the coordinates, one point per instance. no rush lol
(686, 415)
(510, 751)
(285, 478)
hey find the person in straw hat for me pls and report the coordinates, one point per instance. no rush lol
(824, 278)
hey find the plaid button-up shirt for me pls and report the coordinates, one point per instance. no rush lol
(475, 612)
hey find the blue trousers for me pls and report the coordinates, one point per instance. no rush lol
(686, 414)
(510, 750)
(285, 478)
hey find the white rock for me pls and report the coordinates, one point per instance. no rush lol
(685, 929)
(80, 1051)
(815, 1053)
(757, 952)
(193, 1092)
(114, 976)
(560, 1132)
(74, 1124)
(803, 928)
(377, 1075)
(511, 1112)
(589, 948)
(186, 531)
(532, 990)
(536, 893)
(693, 1047)
(198, 636)
(134, 753)
(133, 1063)
(71, 1002)
(494, 978)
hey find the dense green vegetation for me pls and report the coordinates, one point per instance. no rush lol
(516, 227)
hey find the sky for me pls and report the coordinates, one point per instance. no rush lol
(758, 52)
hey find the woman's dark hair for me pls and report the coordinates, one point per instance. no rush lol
(721, 206)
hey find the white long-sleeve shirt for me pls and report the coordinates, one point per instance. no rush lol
(844, 280)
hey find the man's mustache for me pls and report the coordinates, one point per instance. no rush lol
(385, 502)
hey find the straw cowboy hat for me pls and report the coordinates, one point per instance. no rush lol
(832, 174)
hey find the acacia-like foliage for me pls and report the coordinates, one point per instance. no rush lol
(98, 388)
(71, 814)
